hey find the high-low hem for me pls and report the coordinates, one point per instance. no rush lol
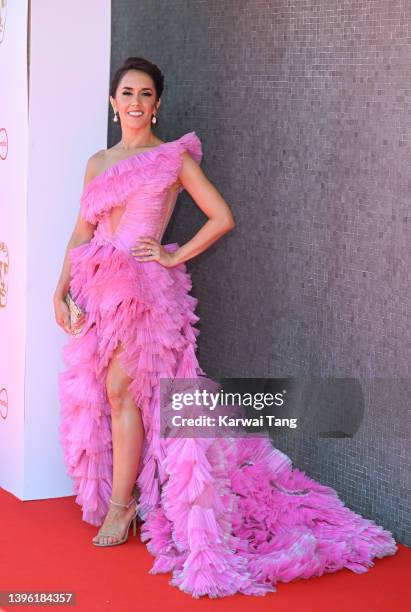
(222, 515)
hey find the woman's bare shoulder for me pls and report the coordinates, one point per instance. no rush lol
(95, 165)
(104, 158)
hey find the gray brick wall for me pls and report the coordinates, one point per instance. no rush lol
(303, 108)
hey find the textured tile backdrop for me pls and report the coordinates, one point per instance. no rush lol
(304, 111)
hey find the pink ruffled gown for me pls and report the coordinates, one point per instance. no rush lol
(222, 515)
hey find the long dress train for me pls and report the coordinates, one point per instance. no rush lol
(223, 515)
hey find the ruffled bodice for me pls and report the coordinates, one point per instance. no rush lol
(141, 183)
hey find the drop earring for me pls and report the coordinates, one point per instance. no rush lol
(154, 119)
(115, 118)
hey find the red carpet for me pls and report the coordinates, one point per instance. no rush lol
(45, 546)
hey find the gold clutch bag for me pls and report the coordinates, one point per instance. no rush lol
(75, 312)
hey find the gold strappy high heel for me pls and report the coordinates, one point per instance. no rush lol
(127, 530)
(136, 494)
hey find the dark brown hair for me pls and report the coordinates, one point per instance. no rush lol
(138, 63)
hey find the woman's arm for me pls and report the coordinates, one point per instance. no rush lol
(210, 201)
(83, 232)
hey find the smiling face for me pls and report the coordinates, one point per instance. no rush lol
(136, 94)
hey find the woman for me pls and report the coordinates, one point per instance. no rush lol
(222, 515)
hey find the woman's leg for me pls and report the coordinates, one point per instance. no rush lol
(127, 435)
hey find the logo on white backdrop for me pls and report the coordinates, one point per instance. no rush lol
(4, 403)
(3, 13)
(4, 142)
(4, 272)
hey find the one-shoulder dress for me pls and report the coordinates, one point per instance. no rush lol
(222, 515)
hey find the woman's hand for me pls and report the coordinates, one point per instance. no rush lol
(62, 314)
(149, 249)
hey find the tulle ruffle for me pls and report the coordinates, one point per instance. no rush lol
(151, 171)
